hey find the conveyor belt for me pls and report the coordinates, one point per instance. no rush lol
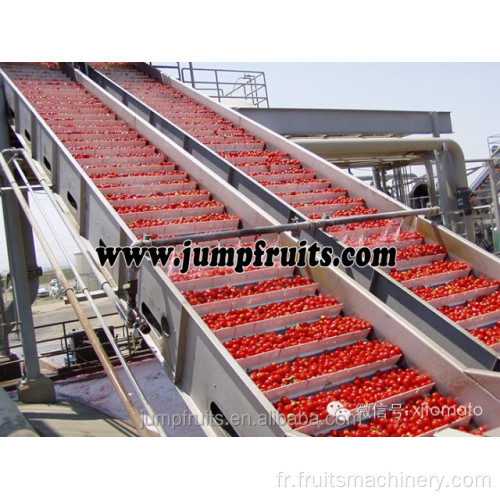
(280, 338)
(314, 195)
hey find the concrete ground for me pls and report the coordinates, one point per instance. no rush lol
(88, 406)
(168, 405)
(73, 419)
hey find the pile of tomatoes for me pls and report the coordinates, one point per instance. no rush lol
(362, 391)
(472, 308)
(216, 321)
(155, 194)
(383, 238)
(196, 297)
(370, 224)
(158, 184)
(205, 272)
(444, 266)
(242, 347)
(301, 172)
(308, 181)
(459, 285)
(489, 335)
(272, 162)
(274, 155)
(182, 220)
(345, 213)
(422, 250)
(417, 416)
(343, 200)
(361, 353)
(126, 209)
(329, 190)
(113, 175)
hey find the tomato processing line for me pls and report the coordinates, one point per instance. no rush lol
(95, 152)
(263, 164)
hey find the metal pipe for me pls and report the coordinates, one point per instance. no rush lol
(452, 175)
(131, 316)
(103, 282)
(4, 124)
(293, 226)
(494, 198)
(22, 188)
(92, 303)
(376, 178)
(191, 71)
(4, 331)
(430, 182)
(73, 300)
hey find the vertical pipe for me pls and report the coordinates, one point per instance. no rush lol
(398, 181)
(447, 199)
(376, 178)
(384, 181)
(430, 183)
(4, 332)
(4, 127)
(4, 143)
(496, 207)
(451, 177)
(191, 72)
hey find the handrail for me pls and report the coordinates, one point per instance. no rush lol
(253, 94)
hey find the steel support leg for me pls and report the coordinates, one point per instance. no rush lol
(433, 199)
(4, 332)
(496, 206)
(4, 130)
(34, 387)
(448, 178)
(376, 178)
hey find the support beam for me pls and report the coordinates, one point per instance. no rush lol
(304, 122)
(34, 387)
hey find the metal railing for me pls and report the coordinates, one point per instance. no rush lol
(125, 340)
(169, 68)
(228, 84)
(494, 144)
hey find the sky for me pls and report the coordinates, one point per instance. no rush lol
(468, 90)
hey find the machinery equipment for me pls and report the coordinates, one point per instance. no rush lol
(123, 180)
